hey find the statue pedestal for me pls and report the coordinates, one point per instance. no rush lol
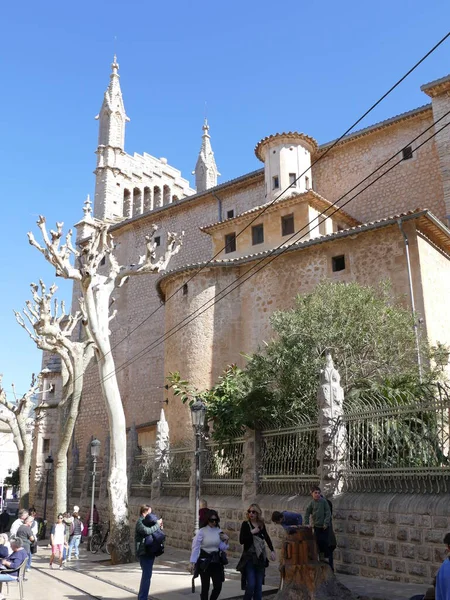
(303, 576)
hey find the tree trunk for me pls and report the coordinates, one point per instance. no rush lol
(68, 415)
(118, 479)
(24, 477)
(97, 298)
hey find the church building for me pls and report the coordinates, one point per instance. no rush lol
(373, 206)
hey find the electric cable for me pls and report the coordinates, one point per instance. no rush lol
(292, 185)
(271, 255)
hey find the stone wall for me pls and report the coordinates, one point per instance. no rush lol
(397, 537)
(413, 183)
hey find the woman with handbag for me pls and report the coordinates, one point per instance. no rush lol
(253, 562)
(208, 556)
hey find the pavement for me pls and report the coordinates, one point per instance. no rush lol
(93, 576)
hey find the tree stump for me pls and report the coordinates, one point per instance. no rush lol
(303, 576)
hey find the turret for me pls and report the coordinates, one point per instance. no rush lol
(206, 172)
(286, 156)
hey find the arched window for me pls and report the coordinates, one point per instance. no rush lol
(127, 204)
(157, 198)
(137, 201)
(175, 198)
(148, 205)
(167, 199)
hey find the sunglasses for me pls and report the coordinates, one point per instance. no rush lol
(213, 520)
(252, 512)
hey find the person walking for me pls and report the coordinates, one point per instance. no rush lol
(25, 533)
(319, 510)
(145, 560)
(207, 559)
(253, 562)
(76, 528)
(57, 537)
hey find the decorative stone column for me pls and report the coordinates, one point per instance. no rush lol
(332, 433)
(162, 446)
(250, 475)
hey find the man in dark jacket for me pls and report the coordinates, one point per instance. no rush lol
(146, 561)
(25, 533)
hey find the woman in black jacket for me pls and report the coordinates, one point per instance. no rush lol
(253, 562)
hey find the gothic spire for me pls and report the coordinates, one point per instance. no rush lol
(112, 114)
(206, 171)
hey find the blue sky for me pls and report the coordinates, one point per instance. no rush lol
(262, 67)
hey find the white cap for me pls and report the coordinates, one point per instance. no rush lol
(76, 509)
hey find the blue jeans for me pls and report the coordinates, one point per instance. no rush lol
(74, 543)
(7, 577)
(146, 563)
(29, 561)
(255, 578)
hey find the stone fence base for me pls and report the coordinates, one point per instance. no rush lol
(397, 537)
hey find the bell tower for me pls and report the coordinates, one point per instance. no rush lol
(108, 203)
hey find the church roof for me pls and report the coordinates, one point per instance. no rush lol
(290, 137)
(426, 222)
(310, 196)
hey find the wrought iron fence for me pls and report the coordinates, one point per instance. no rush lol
(289, 460)
(175, 478)
(222, 468)
(142, 470)
(400, 448)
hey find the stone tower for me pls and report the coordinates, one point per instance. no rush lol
(206, 172)
(108, 203)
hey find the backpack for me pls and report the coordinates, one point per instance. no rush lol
(154, 544)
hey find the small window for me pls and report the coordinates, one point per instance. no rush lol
(230, 214)
(257, 234)
(287, 225)
(293, 179)
(103, 261)
(46, 445)
(230, 243)
(158, 240)
(185, 289)
(307, 184)
(407, 153)
(338, 263)
(275, 182)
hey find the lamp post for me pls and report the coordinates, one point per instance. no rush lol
(95, 452)
(48, 464)
(198, 412)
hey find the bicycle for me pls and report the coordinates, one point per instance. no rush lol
(99, 541)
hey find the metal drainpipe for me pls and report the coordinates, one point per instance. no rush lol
(411, 295)
(219, 206)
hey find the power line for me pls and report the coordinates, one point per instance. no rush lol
(272, 254)
(292, 185)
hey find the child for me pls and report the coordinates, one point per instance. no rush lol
(57, 538)
(319, 509)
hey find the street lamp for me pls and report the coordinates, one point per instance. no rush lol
(198, 412)
(95, 452)
(48, 464)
